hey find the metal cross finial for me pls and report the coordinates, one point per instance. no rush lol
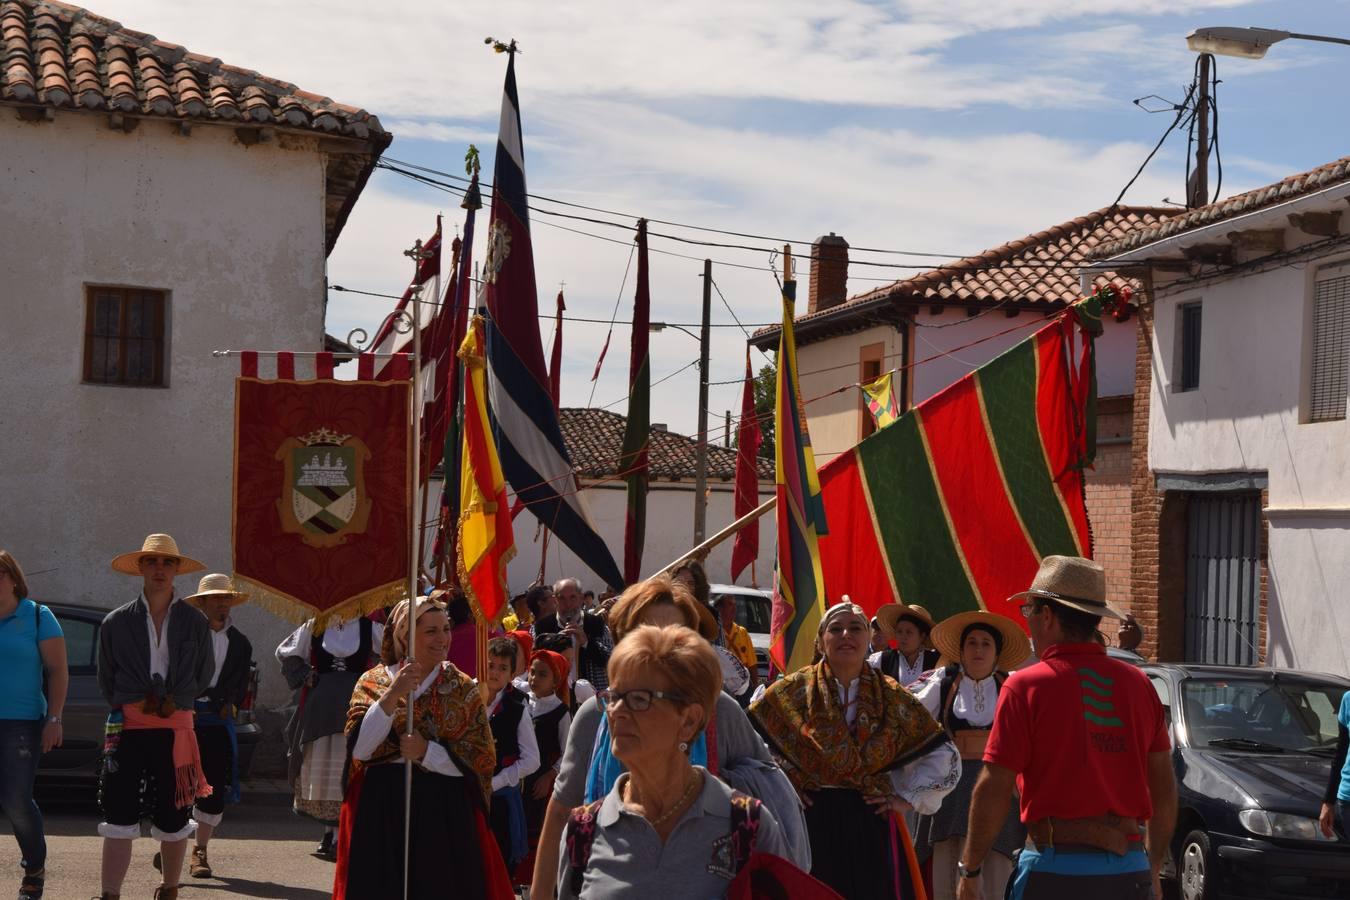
(561, 285)
(418, 253)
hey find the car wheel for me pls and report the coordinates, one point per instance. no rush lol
(1193, 867)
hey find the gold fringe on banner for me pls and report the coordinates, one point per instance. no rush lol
(293, 609)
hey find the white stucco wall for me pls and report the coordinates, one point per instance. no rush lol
(236, 237)
(1246, 416)
(670, 533)
(834, 420)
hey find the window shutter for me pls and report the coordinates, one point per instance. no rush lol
(1331, 349)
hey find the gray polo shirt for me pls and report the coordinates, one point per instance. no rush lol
(736, 740)
(695, 863)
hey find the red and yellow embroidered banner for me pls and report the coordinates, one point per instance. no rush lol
(321, 488)
(953, 505)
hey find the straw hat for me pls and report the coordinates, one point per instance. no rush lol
(1073, 582)
(155, 545)
(1016, 646)
(218, 586)
(889, 617)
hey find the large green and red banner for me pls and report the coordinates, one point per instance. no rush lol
(953, 505)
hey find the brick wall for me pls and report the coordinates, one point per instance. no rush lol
(1108, 496)
(1146, 502)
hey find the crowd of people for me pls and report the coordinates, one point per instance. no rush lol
(625, 745)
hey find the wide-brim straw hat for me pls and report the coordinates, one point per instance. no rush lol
(155, 545)
(1073, 582)
(889, 616)
(1016, 645)
(216, 585)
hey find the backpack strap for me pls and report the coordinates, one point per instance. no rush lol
(580, 837)
(745, 814)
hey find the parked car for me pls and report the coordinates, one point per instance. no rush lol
(754, 612)
(1252, 749)
(73, 767)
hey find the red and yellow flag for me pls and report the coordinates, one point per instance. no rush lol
(485, 538)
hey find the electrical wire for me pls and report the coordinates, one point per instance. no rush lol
(612, 317)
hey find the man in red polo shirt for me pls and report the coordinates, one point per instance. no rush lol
(1084, 738)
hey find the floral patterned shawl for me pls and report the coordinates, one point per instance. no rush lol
(803, 722)
(451, 713)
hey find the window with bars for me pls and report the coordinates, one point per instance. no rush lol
(1330, 348)
(124, 336)
(1188, 346)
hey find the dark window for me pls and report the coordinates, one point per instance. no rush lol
(1330, 349)
(869, 370)
(81, 643)
(124, 336)
(1189, 356)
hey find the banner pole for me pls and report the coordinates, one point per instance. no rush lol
(417, 254)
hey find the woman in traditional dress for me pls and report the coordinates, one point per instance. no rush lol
(323, 668)
(962, 697)
(453, 757)
(860, 751)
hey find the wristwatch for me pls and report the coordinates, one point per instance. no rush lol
(966, 872)
(53, 720)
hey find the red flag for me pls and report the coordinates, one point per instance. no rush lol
(601, 361)
(555, 362)
(745, 549)
(634, 460)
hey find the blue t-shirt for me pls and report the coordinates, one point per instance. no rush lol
(21, 662)
(1343, 716)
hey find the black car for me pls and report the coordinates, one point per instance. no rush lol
(1252, 749)
(73, 767)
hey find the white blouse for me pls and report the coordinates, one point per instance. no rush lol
(974, 701)
(908, 674)
(375, 727)
(924, 781)
(544, 706)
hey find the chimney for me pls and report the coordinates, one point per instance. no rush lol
(829, 273)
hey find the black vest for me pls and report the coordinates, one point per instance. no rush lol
(505, 721)
(546, 735)
(949, 719)
(358, 662)
(890, 662)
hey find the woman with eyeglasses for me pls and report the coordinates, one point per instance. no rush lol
(667, 828)
(727, 745)
(979, 649)
(860, 751)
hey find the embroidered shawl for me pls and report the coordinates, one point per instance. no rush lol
(803, 721)
(450, 712)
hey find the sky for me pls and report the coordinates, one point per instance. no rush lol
(933, 127)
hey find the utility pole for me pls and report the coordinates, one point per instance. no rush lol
(1197, 192)
(701, 466)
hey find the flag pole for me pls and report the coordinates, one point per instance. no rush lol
(417, 254)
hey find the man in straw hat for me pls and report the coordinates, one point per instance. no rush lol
(1085, 740)
(154, 661)
(909, 625)
(233, 654)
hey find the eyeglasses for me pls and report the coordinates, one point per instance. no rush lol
(637, 700)
(1029, 609)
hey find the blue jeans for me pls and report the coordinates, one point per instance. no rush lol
(1343, 815)
(20, 748)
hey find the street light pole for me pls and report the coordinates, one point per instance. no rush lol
(1197, 192)
(701, 464)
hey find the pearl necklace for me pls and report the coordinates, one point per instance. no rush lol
(694, 782)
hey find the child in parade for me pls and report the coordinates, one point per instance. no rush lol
(551, 719)
(579, 690)
(517, 750)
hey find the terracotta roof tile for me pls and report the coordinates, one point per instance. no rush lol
(594, 438)
(1285, 189)
(53, 53)
(1039, 270)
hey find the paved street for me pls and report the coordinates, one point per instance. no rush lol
(261, 850)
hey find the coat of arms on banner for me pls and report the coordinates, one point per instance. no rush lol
(323, 492)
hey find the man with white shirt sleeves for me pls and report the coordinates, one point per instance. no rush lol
(215, 597)
(154, 660)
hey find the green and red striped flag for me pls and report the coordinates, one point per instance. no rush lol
(954, 504)
(633, 460)
(799, 591)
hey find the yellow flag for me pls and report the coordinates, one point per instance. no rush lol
(881, 401)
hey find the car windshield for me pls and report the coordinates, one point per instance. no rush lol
(1262, 716)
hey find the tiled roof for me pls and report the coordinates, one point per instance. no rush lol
(1039, 270)
(594, 438)
(54, 56)
(1287, 189)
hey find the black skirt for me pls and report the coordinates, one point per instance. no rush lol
(852, 849)
(444, 837)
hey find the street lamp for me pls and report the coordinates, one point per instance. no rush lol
(1248, 43)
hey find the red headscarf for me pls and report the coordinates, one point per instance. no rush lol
(557, 663)
(526, 644)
